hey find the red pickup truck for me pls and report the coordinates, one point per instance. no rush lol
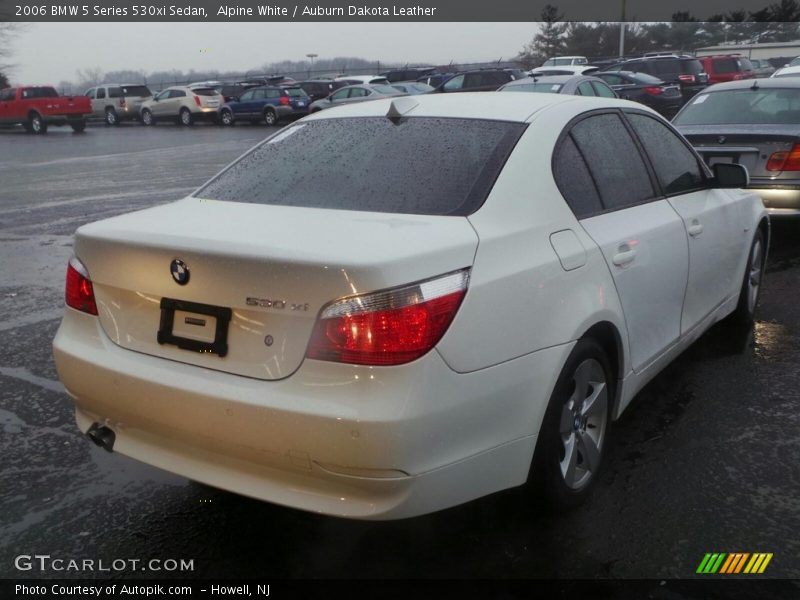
(36, 107)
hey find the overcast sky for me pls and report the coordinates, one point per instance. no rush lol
(47, 53)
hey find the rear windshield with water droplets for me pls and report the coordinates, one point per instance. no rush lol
(416, 165)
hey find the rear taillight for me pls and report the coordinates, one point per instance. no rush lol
(284, 101)
(785, 161)
(197, 100)
(653, 90)
(391, 327)
(79, 293)
(687, 78)
(122, 103)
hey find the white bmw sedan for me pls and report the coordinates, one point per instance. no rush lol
(399, 306)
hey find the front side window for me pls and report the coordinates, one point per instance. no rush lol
(676, 167)
(602, 90)
(101, 93)
(455, 83)
(427, 165)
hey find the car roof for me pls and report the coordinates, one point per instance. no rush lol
(743, 84)
(498, 106)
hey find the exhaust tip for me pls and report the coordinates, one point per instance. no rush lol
(102, 436)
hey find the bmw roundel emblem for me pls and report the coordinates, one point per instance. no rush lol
(180, 272)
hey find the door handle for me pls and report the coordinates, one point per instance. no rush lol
(623, 258)
(695, 229)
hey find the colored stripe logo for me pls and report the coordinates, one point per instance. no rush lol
(734, 563)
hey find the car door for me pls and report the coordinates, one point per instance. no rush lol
(174, 103)
(160, 106)
(640, 235)
(92, 95)
(358, 94)
(243, 107)
(714, 222)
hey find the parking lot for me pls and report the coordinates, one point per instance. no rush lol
(705, 460)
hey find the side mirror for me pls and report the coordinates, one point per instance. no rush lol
(730, 175)
(330, 99)
(155, 98)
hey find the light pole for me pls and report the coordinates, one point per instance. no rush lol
(311, 57)
(622, 32)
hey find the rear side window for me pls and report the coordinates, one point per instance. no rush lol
(693, 67)
(417, 165)
(296, 92)
(136, 90)
(574, 180)
(114, 92)
(613, 160)
(676, 167)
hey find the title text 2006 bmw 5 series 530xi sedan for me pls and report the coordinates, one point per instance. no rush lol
(395, 307)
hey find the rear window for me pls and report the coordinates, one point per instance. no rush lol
(384, 89)
(418, 165)
(646, 79)
(205, 92)
(296, 92)
(726, 65)
(747, 106)
(693, 67)
(553, 88)
(136, 90)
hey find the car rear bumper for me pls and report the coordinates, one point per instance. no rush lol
(779, 200)
(344, 440)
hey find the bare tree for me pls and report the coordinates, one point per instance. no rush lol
(8, 31)
(89, 77)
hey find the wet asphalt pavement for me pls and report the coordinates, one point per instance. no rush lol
(707, 458)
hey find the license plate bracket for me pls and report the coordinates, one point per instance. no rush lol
(165, 330)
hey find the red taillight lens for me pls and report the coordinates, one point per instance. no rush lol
(687, 78)
(654, 90)
(284, 100)
(79, 293)
(122, 103)
(197, 100)
(785, 161)
(390, 327)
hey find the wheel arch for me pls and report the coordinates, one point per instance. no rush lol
(608, 336)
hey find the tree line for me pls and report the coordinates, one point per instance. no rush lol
(775, 23)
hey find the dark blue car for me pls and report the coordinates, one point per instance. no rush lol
(267, 104)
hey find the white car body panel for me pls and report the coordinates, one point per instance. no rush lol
(389, 442)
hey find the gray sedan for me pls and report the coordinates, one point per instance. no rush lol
(355, 93)
(755, 123)
(577, 85)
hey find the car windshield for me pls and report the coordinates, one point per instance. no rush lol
(760, 106)
(795, 62)
(427, 165)
(553, 88)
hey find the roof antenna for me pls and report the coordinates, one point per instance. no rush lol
(754, 87)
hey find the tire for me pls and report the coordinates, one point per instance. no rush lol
(37, 124)
(226, 118)
(270, 117)
(111, 117)
(185, 117)
(575, 429)
(745, 312)
(78, 125)
(147, 118)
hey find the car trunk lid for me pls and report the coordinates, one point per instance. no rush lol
(268, 269)
(748, 145)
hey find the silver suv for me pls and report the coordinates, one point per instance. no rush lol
(182, 104)
(115, 102)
